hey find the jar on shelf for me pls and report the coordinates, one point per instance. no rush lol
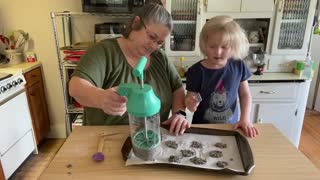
(172, 43)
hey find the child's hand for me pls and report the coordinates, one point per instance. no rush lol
(192, 101)
(248, 128)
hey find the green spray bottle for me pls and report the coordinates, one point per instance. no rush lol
(143, 108)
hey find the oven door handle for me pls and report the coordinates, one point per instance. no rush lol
(12, 96)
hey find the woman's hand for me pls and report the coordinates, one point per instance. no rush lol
(191, 101)
(247, 127)
(178, 124)
(111, 102)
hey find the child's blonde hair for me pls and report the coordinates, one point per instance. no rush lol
(232, 34)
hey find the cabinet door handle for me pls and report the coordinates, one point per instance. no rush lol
(199, 7)
(280, 5)
(267, 92)
(260, 120)
(206, 4)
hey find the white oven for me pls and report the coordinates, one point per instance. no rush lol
(17, 140)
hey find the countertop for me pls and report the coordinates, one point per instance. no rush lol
(275, 158)
(273, 77)
(267, 77)
(276, 77)
(20, 68)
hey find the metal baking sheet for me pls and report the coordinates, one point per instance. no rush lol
(237, 154)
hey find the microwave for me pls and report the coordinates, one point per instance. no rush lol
(112, 6)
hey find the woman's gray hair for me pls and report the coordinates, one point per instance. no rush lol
(232, 34)
(150, 13)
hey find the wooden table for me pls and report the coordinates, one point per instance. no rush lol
(275, 158)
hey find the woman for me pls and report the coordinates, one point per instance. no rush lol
(109, 63)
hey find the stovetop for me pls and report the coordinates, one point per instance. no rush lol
(4, 76)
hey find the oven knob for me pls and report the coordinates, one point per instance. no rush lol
(3, 89)
(14, 83)
(9, 86)
(20, 80)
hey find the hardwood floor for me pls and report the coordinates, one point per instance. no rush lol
(35, 164)
(310, 138)
(32, 168)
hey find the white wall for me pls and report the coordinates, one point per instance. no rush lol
(33, 16)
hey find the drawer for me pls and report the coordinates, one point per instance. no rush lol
(15, 156)
(274, 91)
(33, 76)
(13, 126)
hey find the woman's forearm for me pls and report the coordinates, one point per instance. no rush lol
(84, 92)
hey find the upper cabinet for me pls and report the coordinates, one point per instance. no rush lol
(293, 26)
(239, 5)
(222, 6)
(183, 40)
(257, 5)
(258, 31)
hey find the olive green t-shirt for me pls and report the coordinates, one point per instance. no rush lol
(105, 66)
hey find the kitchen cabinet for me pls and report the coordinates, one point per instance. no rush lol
(236, 6)
(184, 38)
(293, 26)
(281, 115)
(257, 5)
(262, 27)
(223, 6)
(282, 104)
(37, 103)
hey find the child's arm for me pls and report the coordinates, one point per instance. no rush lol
(245, 107)
(192, 101)
(245, 100)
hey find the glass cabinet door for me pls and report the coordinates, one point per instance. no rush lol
(293, 26)
(183, 40)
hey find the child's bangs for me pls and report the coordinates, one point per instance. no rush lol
(226, 36)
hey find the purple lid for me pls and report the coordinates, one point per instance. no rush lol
(98, 156)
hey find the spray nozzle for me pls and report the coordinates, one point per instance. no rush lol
(138, 69)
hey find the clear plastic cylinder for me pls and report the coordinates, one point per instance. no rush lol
(145, 135)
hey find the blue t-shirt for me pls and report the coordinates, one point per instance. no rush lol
(218, 89)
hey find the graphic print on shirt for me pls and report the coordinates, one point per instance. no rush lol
(218, 110)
